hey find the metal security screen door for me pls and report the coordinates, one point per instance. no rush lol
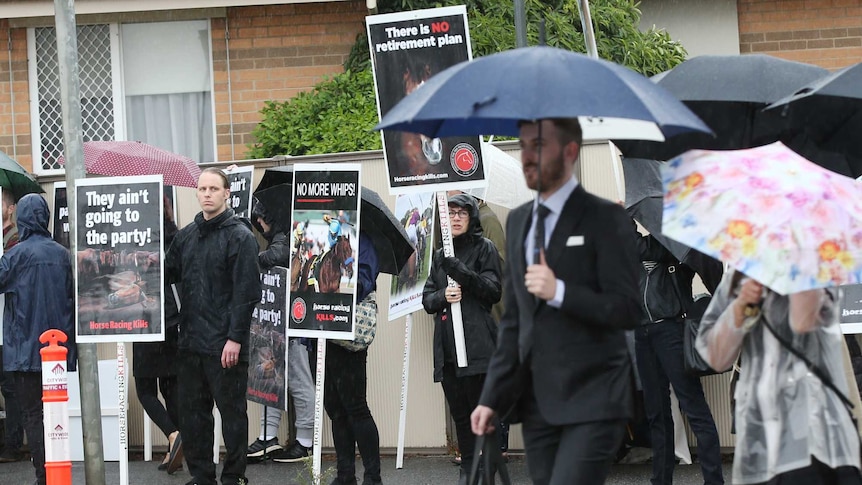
(97, 92)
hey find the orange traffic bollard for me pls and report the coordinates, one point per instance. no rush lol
(55, 396)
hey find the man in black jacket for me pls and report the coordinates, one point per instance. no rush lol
(216, 260)
(665, 286)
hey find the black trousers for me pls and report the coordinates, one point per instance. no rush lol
(353, 426)
(14, 429)
(202, 381)
(462, 395)
(569, 454)
(165, 416)
(28, 386)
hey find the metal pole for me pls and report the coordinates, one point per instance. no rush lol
(520, 23)
(587, 23)
(73, 141)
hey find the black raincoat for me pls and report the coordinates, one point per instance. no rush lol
(476, 267)
(216, 261)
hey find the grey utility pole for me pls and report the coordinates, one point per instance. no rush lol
(73, 141)
(520, 24)
(587, 23)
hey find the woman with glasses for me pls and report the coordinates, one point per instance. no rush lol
(475, 268)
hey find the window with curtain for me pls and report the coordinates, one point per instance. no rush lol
(149, 82)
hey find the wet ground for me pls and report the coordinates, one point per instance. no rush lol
(418, 470)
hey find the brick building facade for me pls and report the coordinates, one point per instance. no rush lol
(259, 53)
(827, 33)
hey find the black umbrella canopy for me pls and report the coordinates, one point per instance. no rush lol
(275, 176)
(645, 203)
(390, 241)
(828, 114)
(276, 201)
(729, 93)
(393, 247)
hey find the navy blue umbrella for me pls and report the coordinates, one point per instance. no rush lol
(491, 94)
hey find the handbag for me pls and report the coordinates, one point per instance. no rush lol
(365, 325)
(693, 362)
(488, 451)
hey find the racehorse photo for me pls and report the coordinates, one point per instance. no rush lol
(323, 273)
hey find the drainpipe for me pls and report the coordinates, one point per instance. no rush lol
(11, 91)
(229, 90)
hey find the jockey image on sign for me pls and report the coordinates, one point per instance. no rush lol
(333, 237)
(334, 231)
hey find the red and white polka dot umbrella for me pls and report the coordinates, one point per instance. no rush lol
(119, 158)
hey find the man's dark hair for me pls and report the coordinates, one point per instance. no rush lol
(218, 172)
(568, 130)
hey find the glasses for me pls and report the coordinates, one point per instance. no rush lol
(461, 214)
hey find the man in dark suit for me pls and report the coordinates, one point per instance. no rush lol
(561, 355)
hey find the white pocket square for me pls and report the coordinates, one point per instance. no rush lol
(575, 241)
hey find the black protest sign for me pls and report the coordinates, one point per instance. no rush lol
(407, 48)
(241, 180)
(267, 374)
(119, 271)
(61, 215)
(324, 274)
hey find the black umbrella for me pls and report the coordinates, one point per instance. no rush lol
(644, 202)
(827, 113)
(729, 94)
(275, 176)
(276, 201)
(390, 241)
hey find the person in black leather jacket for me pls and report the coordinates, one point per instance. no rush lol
(476, 271)
(666, 293)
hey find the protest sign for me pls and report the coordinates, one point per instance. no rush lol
(267, 375)
(61, 215)
(851, 309)
(326, 209)
(407, 48)
(119, 270)
(241, 181)
(416, 213)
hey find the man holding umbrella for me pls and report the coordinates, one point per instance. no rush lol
(561, 357)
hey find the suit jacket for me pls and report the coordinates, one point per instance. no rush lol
(576, 355)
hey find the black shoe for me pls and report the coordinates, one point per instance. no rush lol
(338, 481)
(260, 448)
(295, 453)
(175, 462)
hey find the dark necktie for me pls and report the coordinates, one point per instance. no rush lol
(542, 212)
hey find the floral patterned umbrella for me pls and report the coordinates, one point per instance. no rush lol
(769, 213)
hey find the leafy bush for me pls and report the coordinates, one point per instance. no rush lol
(338, 114)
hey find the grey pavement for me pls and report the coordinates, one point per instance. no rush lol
(418, 470)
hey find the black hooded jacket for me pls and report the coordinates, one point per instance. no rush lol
(216, 261)
(476, 267)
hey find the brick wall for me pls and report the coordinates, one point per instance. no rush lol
(823, 32)
(14, 126)
(275, 53)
